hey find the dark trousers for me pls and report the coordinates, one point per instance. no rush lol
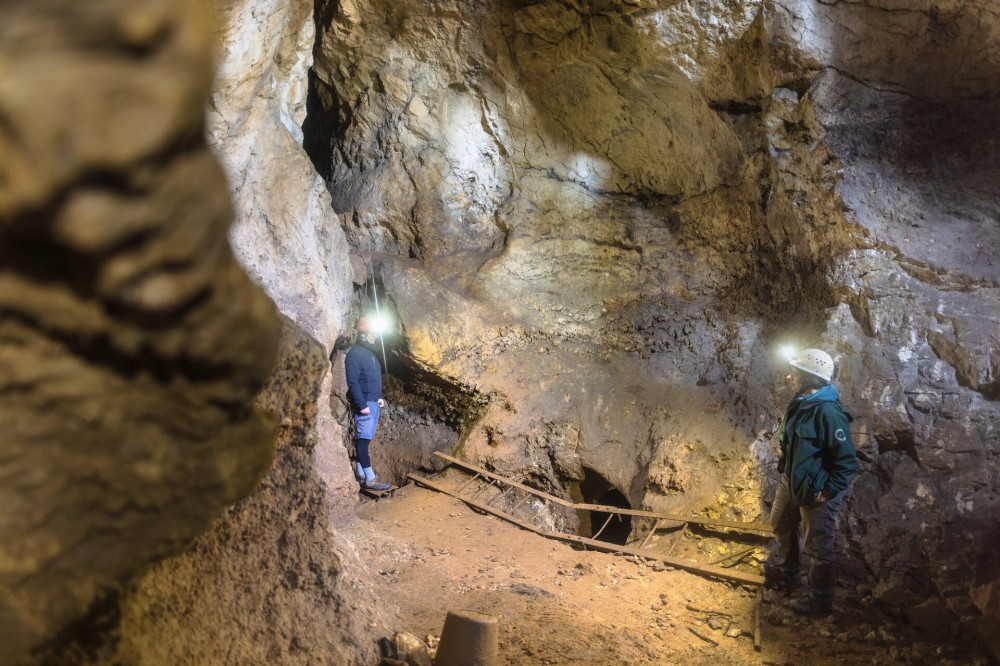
(361, 451)
(819, 523)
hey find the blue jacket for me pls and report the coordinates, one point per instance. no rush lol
(817, 452)
(364, 376)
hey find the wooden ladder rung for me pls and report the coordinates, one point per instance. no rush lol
(517, 506)
(458, 491)
(651, 533)
(610, 516)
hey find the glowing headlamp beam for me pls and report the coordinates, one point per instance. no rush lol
(788, 352)
(379, 324)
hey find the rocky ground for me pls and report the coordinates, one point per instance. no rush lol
(558, 605)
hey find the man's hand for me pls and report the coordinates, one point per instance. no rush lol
(822, 496)
(381, 403)
(366, 411)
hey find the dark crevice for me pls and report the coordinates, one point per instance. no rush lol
(598, 490)
(319, 128)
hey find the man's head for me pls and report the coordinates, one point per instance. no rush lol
(812, 369)
(366, 328)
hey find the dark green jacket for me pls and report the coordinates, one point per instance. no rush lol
(817, 452)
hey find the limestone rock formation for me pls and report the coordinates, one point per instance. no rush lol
(604, 216)
(593, 220)
(286, 235)
(903, 91)
(272, 582)
(548, 189)
(132, 343)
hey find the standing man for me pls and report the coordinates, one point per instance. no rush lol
(817, 464)
(364, 390)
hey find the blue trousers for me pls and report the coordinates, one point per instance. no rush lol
(364, 432)
(819, 522)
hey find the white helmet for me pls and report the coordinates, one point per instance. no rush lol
(815, 362)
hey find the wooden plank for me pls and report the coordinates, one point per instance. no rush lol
(703, 637)
(687, 565)
(467, 484)
(737, 556)
(517, 506)
(677, 539)
(680, 520)
(758, 612)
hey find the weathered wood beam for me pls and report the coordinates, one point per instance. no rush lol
(686, 565)
(680, 520)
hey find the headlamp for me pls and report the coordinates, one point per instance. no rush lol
(788, 352)
(379, 324)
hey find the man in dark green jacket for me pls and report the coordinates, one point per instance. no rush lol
(817, 465)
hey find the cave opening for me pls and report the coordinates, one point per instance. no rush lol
(605, 526)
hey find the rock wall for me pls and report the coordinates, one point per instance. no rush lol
(604, 216)
(286, 235)
(594, 222)
(902, 91)
(272, 582)
(574, 211)
(132, 343)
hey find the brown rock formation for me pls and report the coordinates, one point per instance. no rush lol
(604, 215)
(594, 222)
(271, 582)
(132, 342)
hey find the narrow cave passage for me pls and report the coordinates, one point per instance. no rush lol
(612, 528)
(424, 412)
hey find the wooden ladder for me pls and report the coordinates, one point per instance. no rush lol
(513, 496)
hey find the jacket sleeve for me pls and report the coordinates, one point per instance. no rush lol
(353, 371)
(840, 459)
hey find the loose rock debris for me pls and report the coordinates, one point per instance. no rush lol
(561, 605)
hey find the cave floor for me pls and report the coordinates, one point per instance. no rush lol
(559, 605)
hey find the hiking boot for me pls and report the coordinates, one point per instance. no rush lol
(810, 605)
(375, 484)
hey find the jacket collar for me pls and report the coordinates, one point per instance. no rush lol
(828, 393)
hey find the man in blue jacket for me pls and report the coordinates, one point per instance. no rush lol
(817, 464)
(364, 390)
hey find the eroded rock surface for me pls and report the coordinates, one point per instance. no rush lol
(272, 582)
(132, 343)
(604, 216)
(594, 222)
(575, 211)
